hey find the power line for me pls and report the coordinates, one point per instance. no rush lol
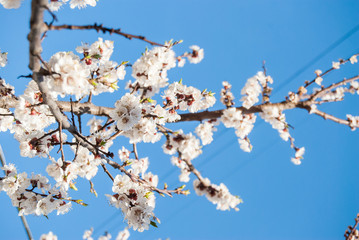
(318, 57)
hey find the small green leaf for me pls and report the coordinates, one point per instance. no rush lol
(72, 186)
(148, 194)
(79, 201)
(96, 56)
(154, 224)
(93, 82)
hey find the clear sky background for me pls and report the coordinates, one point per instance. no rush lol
(316, 200)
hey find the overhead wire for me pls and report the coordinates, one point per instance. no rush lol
(318, 57)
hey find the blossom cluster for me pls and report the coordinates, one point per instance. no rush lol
(274, 116)
(136, 201)
(21, 190)
(196, 56)
(122, 235)
(6, 116)
(205, 131)
(179, 96)
(3, 57)
(54, 5)
(187, 146)
(127, 112)
(95, 73)
(150, 70)
(226, 94)
(30, 110)
(253, 88)
(104, 72)
(243, 124)
(218, 195)
(353, 121)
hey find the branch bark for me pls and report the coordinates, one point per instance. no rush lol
(103, 29)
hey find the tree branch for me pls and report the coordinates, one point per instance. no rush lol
(104, 30)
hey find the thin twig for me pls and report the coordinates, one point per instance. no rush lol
(135, 150)
(107, 172)
(103, 29)
(79, 120)
(61, 145)
(72, 113)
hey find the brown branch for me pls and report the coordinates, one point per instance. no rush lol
(78, 201)
(103, 127)
(104, 30)
(107, 172)
(341, 62)
(328, 116)
(135, 150)
(139, 180)
(61, 145)
(352, 233)
(334, 85)
(115, 135)
(36, 30)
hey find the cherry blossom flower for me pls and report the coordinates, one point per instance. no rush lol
(127, 112)
(48, 236)
(218, 195)
(68, 76)
(197, 54)
(10, 3)
(3, 55)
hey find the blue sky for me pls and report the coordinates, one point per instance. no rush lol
(316, 200)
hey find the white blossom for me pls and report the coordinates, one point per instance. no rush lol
(87, 234)
(48, 236)
(353, 59)
(205, 131)
(10, 3)
(82, 3)
(336, 65)
(123, 235)
(353, 121)
(135, 201)
(197, 54)
(318, 80)
(3, 55)
(150, 71)
(68, 76)
(252, 89)
(218, 195)
(127, 112)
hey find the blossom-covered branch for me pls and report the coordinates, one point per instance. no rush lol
(141, 114)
